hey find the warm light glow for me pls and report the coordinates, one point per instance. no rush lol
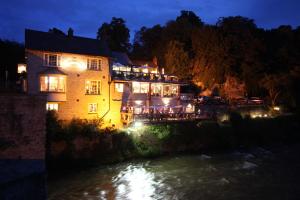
(277, 108)
(189, 108)
(52, 106)
(71, 62)
(138, 124)
(145, 70)
(119, 87)
(52, 83)
(166, 101)
(135, 183)
(21, 68)
(140, 87)
(138, 102)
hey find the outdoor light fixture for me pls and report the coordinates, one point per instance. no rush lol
(21, 68)
(138, 124)
(277, 108)
(166, 101)
(138, 102)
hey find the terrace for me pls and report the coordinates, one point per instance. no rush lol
(141, 73)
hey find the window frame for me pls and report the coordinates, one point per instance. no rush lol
(47, 81)
(99, 87)
(47, 59)
(89, 110)
(98, 64)
(48, 107)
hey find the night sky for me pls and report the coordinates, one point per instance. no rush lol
(85, 16)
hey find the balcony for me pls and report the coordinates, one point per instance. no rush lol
(141, 76)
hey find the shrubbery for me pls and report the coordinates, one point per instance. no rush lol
(106, 145)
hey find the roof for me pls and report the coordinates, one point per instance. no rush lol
(122, 58)
(45, 41)
(52, 70)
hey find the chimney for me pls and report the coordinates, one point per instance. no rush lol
(70, 32)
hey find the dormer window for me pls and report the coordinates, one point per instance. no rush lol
(94, 64)
(52, 60)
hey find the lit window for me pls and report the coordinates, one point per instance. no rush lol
(170, 90)
(92, 108)
(92, 87)
(119, 87)
(21, 68)
(52, 106)
(94, 64)
(138, 87)
(52, 83)
(52, 60)
(156, 89)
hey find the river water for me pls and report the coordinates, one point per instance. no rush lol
(257, 173)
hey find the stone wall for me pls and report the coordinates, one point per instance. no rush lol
(22, 146)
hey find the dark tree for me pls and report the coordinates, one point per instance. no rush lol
(116, 34)
(11, 53)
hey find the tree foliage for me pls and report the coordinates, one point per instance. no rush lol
(116, 34)
(235, 47)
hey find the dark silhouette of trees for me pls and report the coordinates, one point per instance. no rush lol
(264, 61)
(116, 34)
(11, 53)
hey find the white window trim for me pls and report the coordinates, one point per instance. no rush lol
(94, 112)
(100, 87)
(48, 84)
(99, 64)
(46, 59)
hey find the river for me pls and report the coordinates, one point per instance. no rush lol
(257, 173)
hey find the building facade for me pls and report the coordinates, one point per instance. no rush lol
(83, 79)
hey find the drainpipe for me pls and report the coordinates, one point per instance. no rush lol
(108, 110)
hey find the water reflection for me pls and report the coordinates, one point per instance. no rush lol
(230, 176)
(135, 182)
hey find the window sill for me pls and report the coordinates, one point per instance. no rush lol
(52, 92)
(93, 94)
(97, 70)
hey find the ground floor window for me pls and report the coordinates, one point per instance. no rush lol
(92, 108)
(52, 106)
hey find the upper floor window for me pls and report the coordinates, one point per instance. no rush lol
(94, 64)
(138, 87)
(119, 87)
(92, 87)
(156, 89)
(52, 60)
(52, 83)
(170, 90)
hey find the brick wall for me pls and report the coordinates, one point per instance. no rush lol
(22, 127)
(22, 146)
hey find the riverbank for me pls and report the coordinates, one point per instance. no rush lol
(81, 144)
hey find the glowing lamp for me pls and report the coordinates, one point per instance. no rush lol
(21, 68)
(276, 108)
(166, 101)
(138, 124)
(138, 102)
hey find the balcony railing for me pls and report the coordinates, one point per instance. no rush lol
(141, 76)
